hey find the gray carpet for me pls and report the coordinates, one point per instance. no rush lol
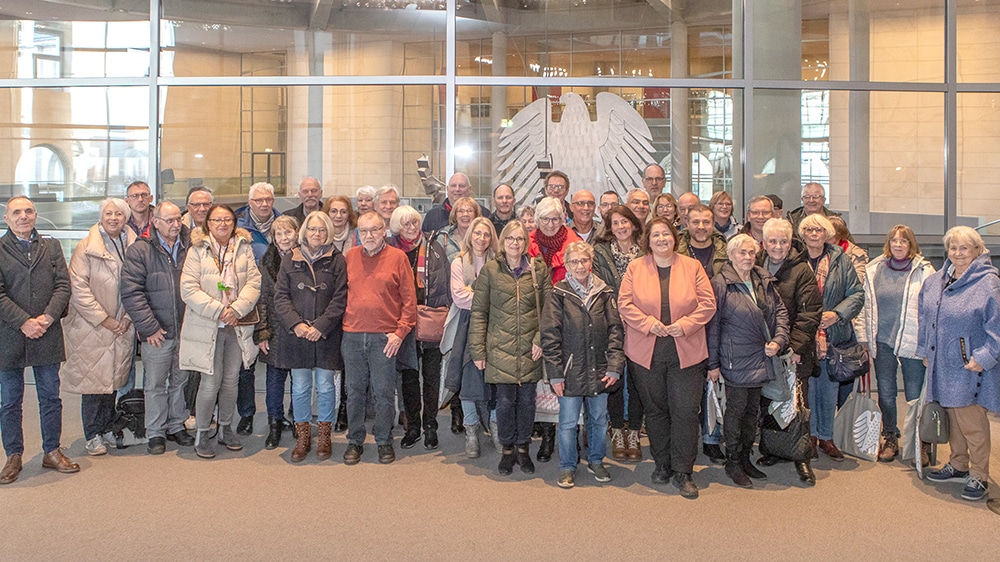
(255, 504)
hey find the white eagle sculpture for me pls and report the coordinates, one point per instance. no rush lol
(609, 154)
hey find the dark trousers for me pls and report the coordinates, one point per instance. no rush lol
(625, 391)
(274, 397)
(368, 367)
(515, 413)
(740, 419)
(246, 403)
(98, 413)
(191, 390)
(671, 397)
(49, 407)
(422, 386)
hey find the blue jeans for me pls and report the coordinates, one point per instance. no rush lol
(366, 365)
(885, 375)
(49, 408)
(130, 381)
(597, 429)
(822, 403)
(274, 396)
(470, 412)
(327, 385)
(246, 401)
(715, 437)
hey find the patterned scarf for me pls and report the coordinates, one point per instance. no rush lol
(421, 266)
(263, 227)
(622, 259)
(550, 245)
(822, 272)
(223, 257)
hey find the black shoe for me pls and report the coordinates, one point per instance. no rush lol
(536, 430)
(156, 446)
(768, 460)
(747, 465)
(662, 475)
(548, 442)
(806, 473)
(430, 439)
(386, 454)
(408, 440)
(287, 424)
(245, 427)
(524, 459)
(457, 422)
(274, 434)
(735, 473)
(353, 454)
(683, 482)
(714, 453)
(507, 460)
(182, 438)
(341, 425)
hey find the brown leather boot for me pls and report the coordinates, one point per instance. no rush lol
(11, 469)
(633, 450)
(618, 444)
(323, 445)
(890, 448)
(303, 441)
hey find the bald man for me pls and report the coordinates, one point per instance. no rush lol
(459, 186)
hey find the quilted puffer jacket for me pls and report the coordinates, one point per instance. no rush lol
(504, 322)
(97, 361)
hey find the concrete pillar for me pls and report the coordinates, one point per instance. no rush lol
(498, 100)
(680, 113)
(859, 120)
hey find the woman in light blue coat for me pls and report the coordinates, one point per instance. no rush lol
(959, 339)
(892, 287)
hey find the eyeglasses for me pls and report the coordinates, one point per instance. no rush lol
(262, 200)
(665, 207)
(813, 230)
(316, 229)
(138, 196)
(579, 262)
(175, 220)
(554, 186)
(550, 220)
(759, 213)
(514, 239)
(371, 231)
(224, 220)
(811, 197)
(199, 205)
(589, 204)
(655, 180)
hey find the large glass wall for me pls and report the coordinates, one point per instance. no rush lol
(890, 105)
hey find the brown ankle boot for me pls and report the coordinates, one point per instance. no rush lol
(323, 446)
(890, 448)
(302, 442)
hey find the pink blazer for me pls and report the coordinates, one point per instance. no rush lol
(692, 305)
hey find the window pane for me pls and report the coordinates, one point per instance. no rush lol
(847, 40)
(302, 38)
(603, 38)
(53, 45)
(978, 44)
(70, 148)
(227, 138)
(878, 154)
(978, 123)
(572, 135)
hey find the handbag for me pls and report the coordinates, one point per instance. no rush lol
(791, 442)
(546, 401)
(785, 411)
(778, 389)
(713, 407)
(847, 362)
(857, 427)
(430, 323)
(251, 318)
(934, 427)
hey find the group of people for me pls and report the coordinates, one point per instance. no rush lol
(628, 312)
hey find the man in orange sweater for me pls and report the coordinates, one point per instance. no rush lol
(381, 311)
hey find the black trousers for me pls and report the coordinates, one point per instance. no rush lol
(739, 427)
(423, 389)
(98, 413)
(616, 402)
(671, 397)
(515, 413)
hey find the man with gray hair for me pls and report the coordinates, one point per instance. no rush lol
(386, 201)
(459, 186)
(759, 211)
(199, 201)
(34, 294)
(813, 201)
(151, 295)
(311, 197)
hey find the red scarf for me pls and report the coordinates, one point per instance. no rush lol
(550, 245)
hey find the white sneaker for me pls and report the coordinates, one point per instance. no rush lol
(109, 440)
(95, 447)
(190, 423)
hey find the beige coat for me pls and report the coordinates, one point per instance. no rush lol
(199, 291)
(97, 361)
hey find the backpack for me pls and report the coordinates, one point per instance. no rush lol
(130, 413)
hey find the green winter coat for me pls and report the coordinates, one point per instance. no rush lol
(504, 321)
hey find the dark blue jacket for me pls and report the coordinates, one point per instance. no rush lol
(742, 326)
(151, 285)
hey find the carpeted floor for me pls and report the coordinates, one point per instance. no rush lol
(255, 504)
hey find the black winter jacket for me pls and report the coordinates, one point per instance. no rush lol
(151, 285)
(742, 327)
(31, 283)
(267, 328)
(314, 294)
(582, 342)
(797, 287)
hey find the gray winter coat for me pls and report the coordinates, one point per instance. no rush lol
(31, 283)
(151, 286)
(742, 327)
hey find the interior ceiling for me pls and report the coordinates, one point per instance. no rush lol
(234, 25)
